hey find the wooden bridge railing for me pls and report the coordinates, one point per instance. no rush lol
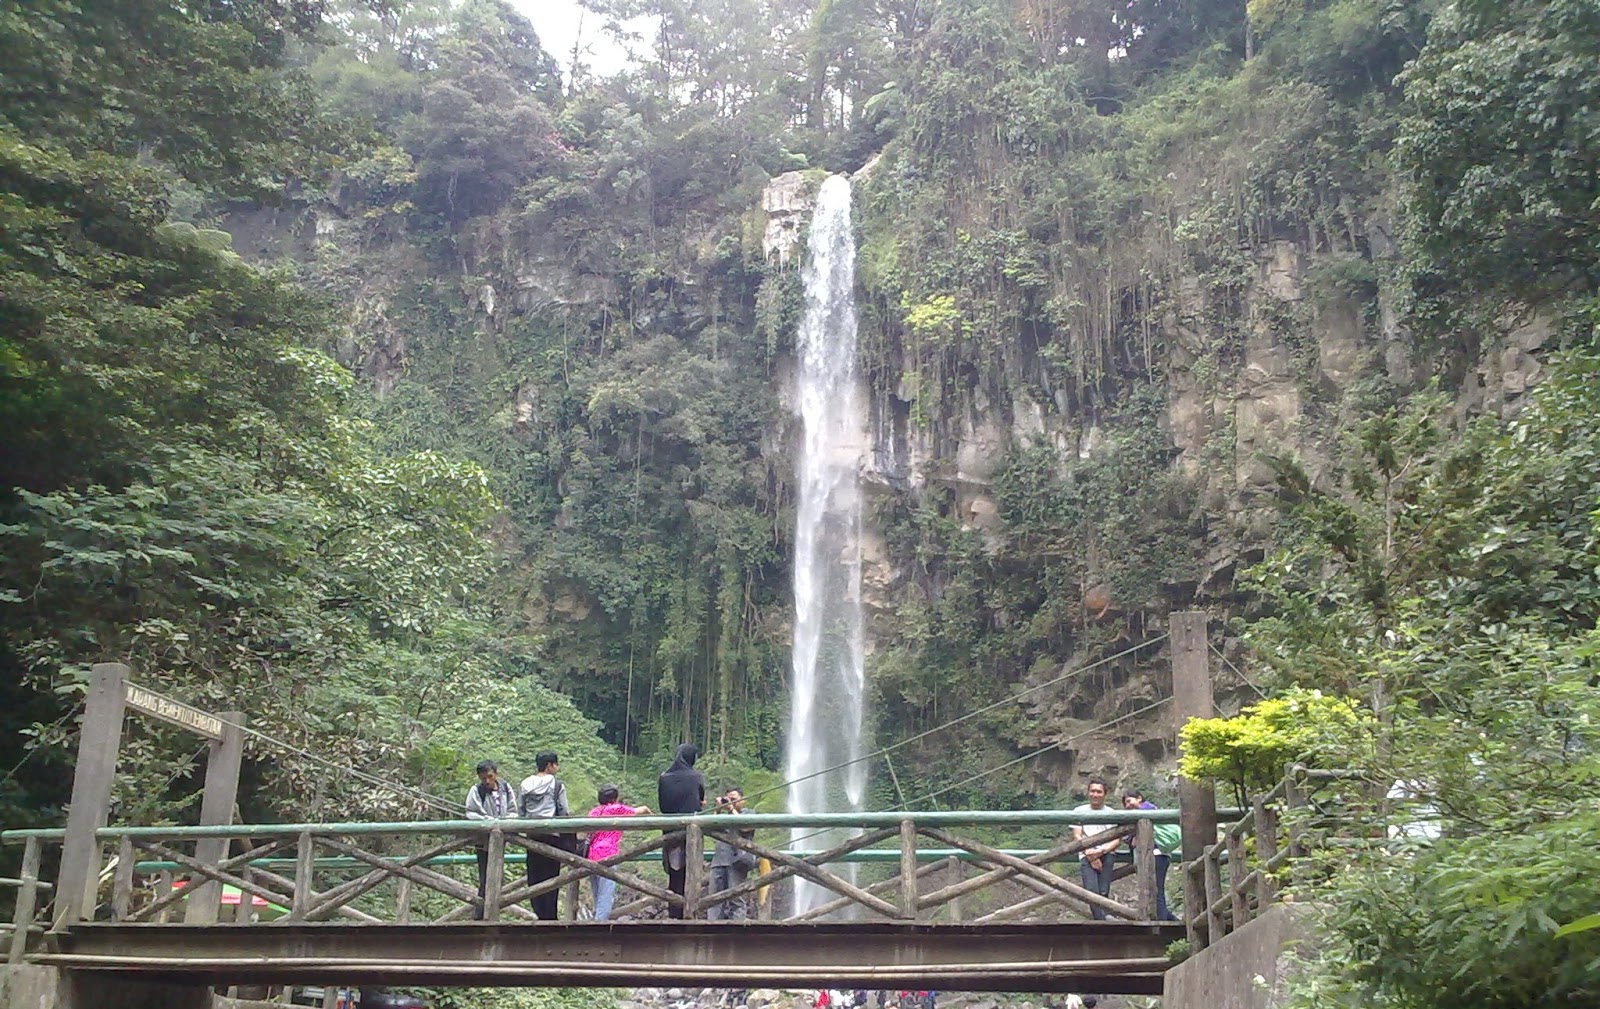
(1244, 872)
(401, 872)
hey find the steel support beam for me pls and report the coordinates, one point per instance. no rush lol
(1112, 957)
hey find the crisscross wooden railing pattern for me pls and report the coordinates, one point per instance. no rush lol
(1244, 872)
(402, 872)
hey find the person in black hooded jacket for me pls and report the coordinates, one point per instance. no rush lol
(680, 789)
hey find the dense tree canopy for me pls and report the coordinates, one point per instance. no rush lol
(188, 484)
(363, 366)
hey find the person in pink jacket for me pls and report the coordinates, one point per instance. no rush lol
(605, 843)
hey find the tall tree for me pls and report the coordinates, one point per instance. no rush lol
(1503, 152)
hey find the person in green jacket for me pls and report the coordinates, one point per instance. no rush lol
(1169, 839)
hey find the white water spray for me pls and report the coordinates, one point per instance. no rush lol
(825, 721)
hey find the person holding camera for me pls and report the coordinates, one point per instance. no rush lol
(730, 864)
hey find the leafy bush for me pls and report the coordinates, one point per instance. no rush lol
(1251, 750)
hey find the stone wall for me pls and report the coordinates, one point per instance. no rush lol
(1249, 969)
(29, 986)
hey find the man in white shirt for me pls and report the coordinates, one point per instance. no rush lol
(1097, 864)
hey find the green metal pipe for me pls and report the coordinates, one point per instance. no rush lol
(868, 855)
(585, 824)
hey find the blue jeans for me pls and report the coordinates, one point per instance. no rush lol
(1163, 863)
(1098, 881)
(605, 893)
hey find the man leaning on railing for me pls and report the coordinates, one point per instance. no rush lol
(1169, 838)
(490, 799)
(1097, 864)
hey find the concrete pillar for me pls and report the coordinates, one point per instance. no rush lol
(84, 989)
(216, 808)
(34, 986)
(1191, 694)
(98, 744)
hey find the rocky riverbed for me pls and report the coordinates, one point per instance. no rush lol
(797, 998)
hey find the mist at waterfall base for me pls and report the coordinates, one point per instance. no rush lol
(829, 676)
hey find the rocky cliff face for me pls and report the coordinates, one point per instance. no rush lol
(1302, 337)
(1310, 332)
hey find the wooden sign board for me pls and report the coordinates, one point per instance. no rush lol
(176, 712)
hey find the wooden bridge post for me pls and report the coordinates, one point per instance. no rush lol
(245, 912)
(402, 901)
(694, 869)
(1197, 800)
(1294, 809)
(1211, 895)
(1266, 853)
(305, 862)
(1238, 870)
(1144, 868)
(494, 876)
(164, 881)
(98, 742)
(122, 881)
(958, 873)
(27, 899)
(223, 760)
(908, 868)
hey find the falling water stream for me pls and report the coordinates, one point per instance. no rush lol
(825, 722)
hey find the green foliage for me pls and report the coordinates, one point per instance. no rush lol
(1251, 750)
(188, 487)
(522, 998)
(1463, 923)
(1486, 670)
(1499, 151)
(200, 86)
(1588, 923)
(481, 130)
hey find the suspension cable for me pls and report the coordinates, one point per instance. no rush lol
(1045, 749)
(399, 789)
(1012, 699)
(425, 798)
(906, 804)
(1238, 672)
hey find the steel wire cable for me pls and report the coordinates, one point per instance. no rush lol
(435, 801)
(1238, 672)
(1012, 699)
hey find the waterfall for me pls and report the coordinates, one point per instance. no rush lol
(825, 721)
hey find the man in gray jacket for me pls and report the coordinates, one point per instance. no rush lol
(730, 865)
(544, 797)
(490, 799)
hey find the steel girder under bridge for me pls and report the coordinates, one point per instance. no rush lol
(1112, 957)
